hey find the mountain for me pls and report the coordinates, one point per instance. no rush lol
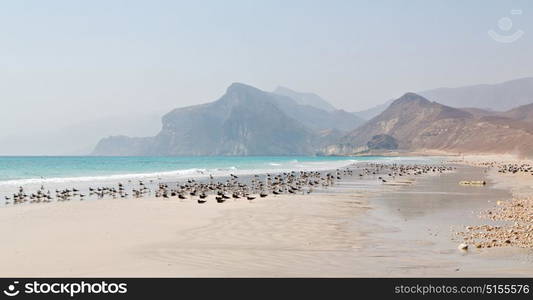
(315, 118)
(521, 113)
(244, 121)
(248, 121)
(373, 111)
(305, 98)
(479, 112)
(121, 145)
(485, 99)
(413, 123)
(312, 116)
(499, 97)
(403, 120)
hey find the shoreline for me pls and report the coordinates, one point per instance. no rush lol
(355, 229)
(508, 223)
(8, 188)
(83, 182)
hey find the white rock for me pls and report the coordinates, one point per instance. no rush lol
(462, 247)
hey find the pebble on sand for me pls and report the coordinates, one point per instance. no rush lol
(462, 247)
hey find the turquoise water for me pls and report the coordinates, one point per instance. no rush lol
(20, 170)
(54, 172)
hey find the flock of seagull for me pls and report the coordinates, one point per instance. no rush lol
(302, 182)
(516, 168)
(399, 170)
(232, 188)
(509, 168)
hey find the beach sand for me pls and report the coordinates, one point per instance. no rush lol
(279, 235)
(357, 229)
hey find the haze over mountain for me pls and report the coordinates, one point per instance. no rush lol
(483, 99)
(79, 138)
(499, 97)
(305, 98)
(68, 62)
(521, 113)
(413, 123)
(248, 121)
(373, 111)
(316, 118)
(244, 121)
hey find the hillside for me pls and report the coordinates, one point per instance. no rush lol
(244, 121)
(415, 123)
(310, 114)
(305, 98)
(522, 113)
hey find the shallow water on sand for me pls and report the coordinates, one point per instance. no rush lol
(418, 223)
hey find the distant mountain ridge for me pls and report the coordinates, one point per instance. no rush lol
(522, 113)
(499, 97)
(244, 121)
(414, 123)
(368, 114)
(305, 98)
(249, 121)
(487, 97)
(315, 118)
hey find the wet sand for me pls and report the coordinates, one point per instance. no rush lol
(357, 229)
(509, 222)
(421, 221)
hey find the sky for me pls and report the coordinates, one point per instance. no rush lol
(66, 63)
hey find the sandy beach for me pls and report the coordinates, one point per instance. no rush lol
(356, 229)
(153, 237)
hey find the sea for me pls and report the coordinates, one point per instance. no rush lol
(58, 172)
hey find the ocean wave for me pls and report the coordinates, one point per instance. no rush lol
(177, 175)
(226, 169)
(101, 178)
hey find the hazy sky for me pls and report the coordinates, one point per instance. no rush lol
(70, 61)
